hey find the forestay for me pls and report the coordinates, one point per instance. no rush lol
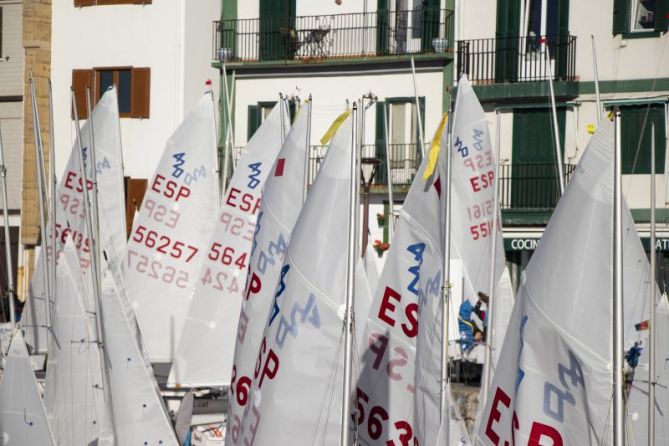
(296, 392)
(553, 381)
(70, 219)
(169, 237)
(406, 302)
(74, 397)
(206, 347)
(22, 416)
(280, 207)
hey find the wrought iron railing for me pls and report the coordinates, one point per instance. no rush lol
(531, 186)
(333, 36)
(517, 59)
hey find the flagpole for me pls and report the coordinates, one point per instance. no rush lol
(445, 408)
(421, 136)
(594, 64)
(350, 283)
(653, 302)
(40, 189)
(52, 189)
(306, 152)
(389, 172)
(8, 247)
(618, 339)
(487, 365)
(556, 128)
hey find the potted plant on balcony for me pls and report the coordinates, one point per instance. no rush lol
(380, 219)
(439, 44)
(380, 247)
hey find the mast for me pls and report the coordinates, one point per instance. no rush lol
(52, 189)
(618, 339)
(445, 408)
(41, 193)
(421, 137)
(391, 211)
(653, 261)
(8, 247)
(282, 109)
(487, 366)
(594, 64)
(556, 128)
(350, 283)
(228, 136)
(307, 142)
(92, 236)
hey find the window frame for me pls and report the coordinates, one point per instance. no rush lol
(634, 9)
(84, 3)
(115, 81)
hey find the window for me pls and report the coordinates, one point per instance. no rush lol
(640, 18)
(133, 87)
(80, 3)
(635, 144)
(258, 113)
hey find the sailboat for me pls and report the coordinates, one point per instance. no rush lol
(169, 238)
(205, 351)
(23, 419)
(554, 375)
(296, 392)
(280, 207)
(75, 398)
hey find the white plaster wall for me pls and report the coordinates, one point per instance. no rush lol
(327, 7)
(11, 126)
(158, 36)
(330, 94)
(476, 19)
(248, 9)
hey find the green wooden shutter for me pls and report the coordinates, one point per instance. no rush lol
(562, 41)
(381, 177)
(253, 120)
(506, 50)
(419, 152)
(632, 122)
(621, 16)
(430, 23)
(661, 15)
(382, 27)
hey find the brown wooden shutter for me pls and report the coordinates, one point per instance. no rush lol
(141, 92)
(135, 188)
(80, 80)
(142, 2)
(84, 2)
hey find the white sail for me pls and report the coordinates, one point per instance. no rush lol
(74, 398)
(553, 381)
(295, 395)
(22, 417)
(503, 307)
(473, 172)
(407, 298)
(281, 205)
(457, 430)
(170, 235)
(70, 219)
(206, 347)
(372, 268)
(637, 405)
(138, 410)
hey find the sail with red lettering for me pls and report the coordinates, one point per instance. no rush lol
(74, 397)
(280, 207)
(70, 220)
(553, 381)
(408, 288)
(206, 347)
(297, 384)
(637, 406)
(169, 237)
(22, 416)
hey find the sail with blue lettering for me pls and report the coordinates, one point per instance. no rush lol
(297, 384)
(408, 292)
(75, 395)
(281, 205)
(70, 220)
(170, 236)
(553, 381)
(205, 351)
(23, 419)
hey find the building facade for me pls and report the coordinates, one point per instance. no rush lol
(509, 49)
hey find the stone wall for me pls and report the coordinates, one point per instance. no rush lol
(37, 47)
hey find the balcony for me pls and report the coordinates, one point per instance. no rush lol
(531, 187)
(517, 59)
(320, 37)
